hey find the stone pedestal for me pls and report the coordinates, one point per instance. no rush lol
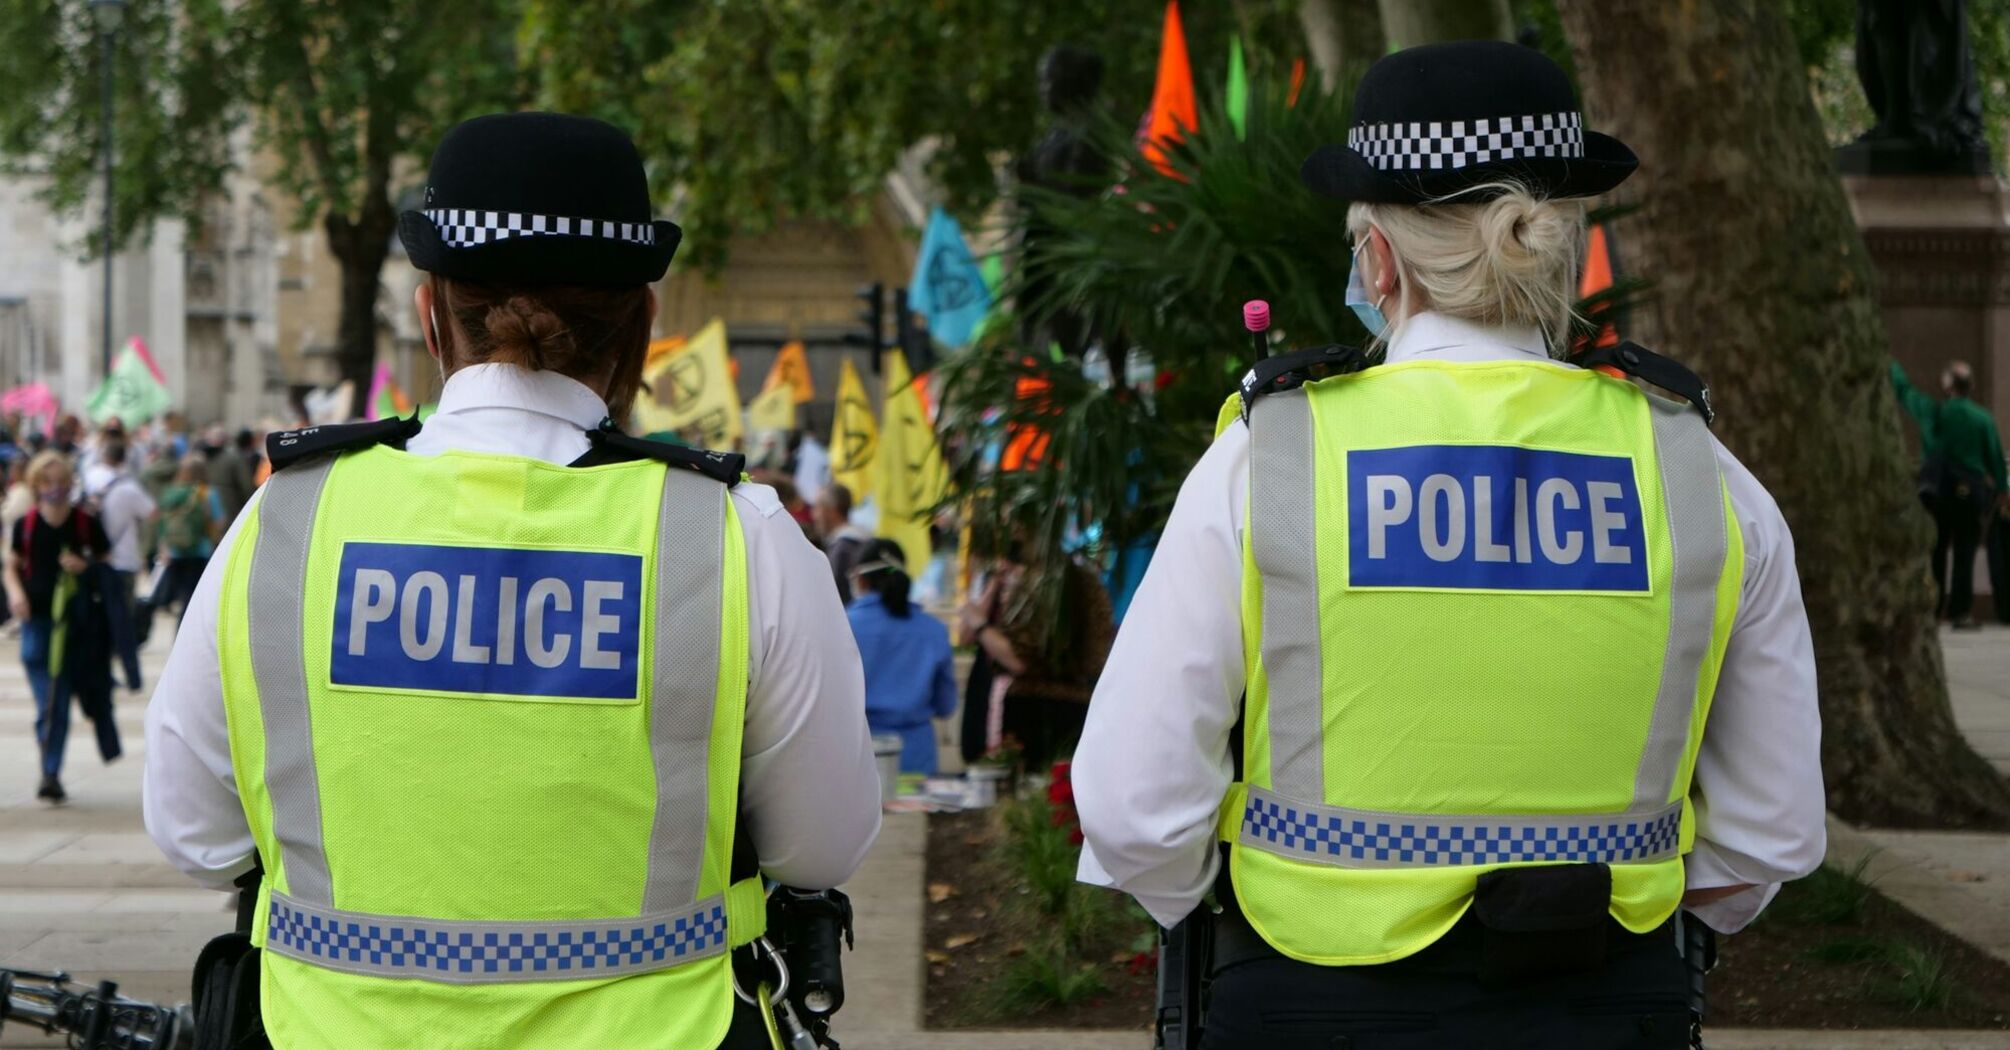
(1941, 245)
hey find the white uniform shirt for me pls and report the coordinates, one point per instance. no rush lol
(1153, 763)
(809, 788)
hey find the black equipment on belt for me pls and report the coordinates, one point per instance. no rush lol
(1699, 950)
(813, 927)
(97, 1019)
(1186, 966)
(226, 978)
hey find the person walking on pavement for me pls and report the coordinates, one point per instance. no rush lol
(50, 551)
(1961, 481)
(1516, 651)
(229, 471)
(843, 542)
(910, 670)
(191, 518)
(513, 681)
(125, 510)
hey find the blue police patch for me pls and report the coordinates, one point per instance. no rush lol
(488, 620)
(1494, 518)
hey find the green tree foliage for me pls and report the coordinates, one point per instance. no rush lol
(756, 111)
(1825, 40)
(173, 91)
(347, 96)
(1167, 261)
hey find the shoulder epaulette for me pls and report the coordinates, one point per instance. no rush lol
(287, 447)
(1290, 371)
(612, 446)
(1641, 363)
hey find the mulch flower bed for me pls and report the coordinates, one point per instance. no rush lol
(1830, 953)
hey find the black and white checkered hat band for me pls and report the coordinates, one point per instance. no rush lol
(465, 227)
(1450, 144)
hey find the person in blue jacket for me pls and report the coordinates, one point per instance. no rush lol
(910, 672)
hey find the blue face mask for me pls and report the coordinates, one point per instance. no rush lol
(1357, 298)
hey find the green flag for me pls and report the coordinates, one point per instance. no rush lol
(131, 392)
(1238, 88)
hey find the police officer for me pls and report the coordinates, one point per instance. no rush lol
(508, 704)
(1516, 650)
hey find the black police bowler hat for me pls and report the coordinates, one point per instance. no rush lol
(1436, 120)
(538, 198)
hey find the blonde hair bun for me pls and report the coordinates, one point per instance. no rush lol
(1509, 260)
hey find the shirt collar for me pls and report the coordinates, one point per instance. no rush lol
(1435, 336)
(488, 386)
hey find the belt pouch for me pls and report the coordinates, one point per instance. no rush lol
(1542, 922)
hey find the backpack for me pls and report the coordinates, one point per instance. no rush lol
(184, 526)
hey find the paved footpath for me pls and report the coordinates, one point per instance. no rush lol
(82, 887)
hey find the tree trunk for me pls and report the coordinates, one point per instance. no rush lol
(1408, 23)
(361, 245)
(1762, 283)
(1344, 36)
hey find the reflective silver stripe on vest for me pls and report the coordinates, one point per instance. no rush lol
(1282, 521)
(493, 952)
(690, 560)
(1693, 492)
(278, 663)
(1360, 838)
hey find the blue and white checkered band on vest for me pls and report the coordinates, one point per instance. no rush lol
(1444, 145)
(466, 227)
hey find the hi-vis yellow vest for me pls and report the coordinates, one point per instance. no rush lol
(1484, 608)
(485, 715)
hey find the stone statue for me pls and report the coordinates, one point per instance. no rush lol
(1913, 59)
(1065, 160)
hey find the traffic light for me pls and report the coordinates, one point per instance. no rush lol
(872, 318)
(911, 338)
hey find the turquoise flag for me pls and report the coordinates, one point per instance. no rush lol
(1238, 88)
(131, 392)
(947, 287)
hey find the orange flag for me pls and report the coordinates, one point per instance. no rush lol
(1598, 277)
(1026, 445)
(792, 366)
(1173, 111)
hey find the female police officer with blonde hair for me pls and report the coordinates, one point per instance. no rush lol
(514, 709)
(1516, 650)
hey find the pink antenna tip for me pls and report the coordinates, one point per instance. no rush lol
(1256, 315)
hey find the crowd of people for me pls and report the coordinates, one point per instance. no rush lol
(105, 528)
(1027, 692)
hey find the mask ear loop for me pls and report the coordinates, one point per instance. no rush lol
(1357, 251)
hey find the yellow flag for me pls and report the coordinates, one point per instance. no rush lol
(774, 409)
(691, 387)
(854, 436)
(912, 476)
(792, 369)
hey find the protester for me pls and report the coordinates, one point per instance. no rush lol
(910, 676)
(1042, 674)
(1962, 481)
(64, 437)
(230, 477)
(843, 542)
(50, 550)
(191, 518)
(125, 509)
